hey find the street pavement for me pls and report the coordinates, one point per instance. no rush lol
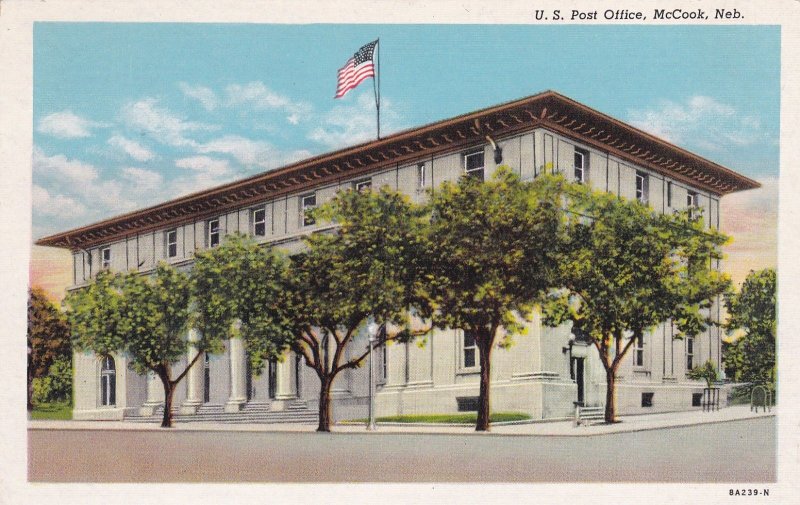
(731, 445)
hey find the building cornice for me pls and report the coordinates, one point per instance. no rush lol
(548, 110)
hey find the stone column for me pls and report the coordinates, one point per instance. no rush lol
(194, 379)
(238, 367)
(155, 395)
(284, 389)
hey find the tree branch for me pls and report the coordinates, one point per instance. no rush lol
(186, 370)
(621, 355)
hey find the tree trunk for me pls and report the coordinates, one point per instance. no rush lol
(611, 395)
(169, 389)
(324, 406)
(484, 350)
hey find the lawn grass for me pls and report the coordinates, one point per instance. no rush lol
(61, 411)
(465, 418)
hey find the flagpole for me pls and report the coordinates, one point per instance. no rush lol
(376, 85)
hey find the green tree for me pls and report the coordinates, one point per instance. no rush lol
(370, 269)
(48, 338)
(146, 318)
(625, 269)
(493, 248)
(752, 311)
(706, 372)
(240, 291)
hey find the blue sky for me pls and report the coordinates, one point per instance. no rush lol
(128, 115)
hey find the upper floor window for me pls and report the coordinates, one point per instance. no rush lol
(473, 164)
(105, 257)
(363, 185)
(691, 203)
(421, 175)
(470, 350)
(108, 382)
(689, 353)
(641, 187)
(669, 194)
(581, 165)
(638, 351)
(259, 217)
(213, 233)
(171, 243)
(307, 204)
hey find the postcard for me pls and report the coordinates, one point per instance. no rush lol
(399, 252)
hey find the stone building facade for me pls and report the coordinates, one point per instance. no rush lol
(543, 374)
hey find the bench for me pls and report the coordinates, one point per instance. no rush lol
(583, 415)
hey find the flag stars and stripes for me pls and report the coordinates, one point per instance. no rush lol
(357, 68)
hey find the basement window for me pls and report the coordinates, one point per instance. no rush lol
(647, 399)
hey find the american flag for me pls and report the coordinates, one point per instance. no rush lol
(357, 68)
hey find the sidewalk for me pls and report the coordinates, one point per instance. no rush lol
(554, 428)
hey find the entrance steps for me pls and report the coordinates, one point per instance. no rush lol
(252, 413)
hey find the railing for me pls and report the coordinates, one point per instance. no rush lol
(710, 399)
(584, 414)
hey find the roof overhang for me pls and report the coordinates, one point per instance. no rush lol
(548, 110)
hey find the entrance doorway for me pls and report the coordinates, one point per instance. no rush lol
(578, 376)
(272, 379)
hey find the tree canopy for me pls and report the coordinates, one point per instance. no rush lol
(48, 337)
(492, 248)
(624, 269)
(752, 311)
(144, 317)
(240, 291)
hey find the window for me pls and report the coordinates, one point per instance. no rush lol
(638, 351)
(249, 384)
(171, 243)
(691, 199)
(581, 165)
(689, 353)
(108, 382)
(421, 175)
(697, 399)
(669, 194)
(307, 204)
(105, 258)
(363, 185)
(272, 379)
(473, 164)
(647, 399)
(213, 233)
(259, 217)
(206, 378)
(470, 349)
(641, 187)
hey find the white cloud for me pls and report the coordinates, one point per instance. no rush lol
(204, 95)
(45, 204)
(204, 164)
(132, 148)
(164, 126)
(349, 123)
(257, 95)
(81, 182)
(61, 168)
(246, 151)
(701, 121)
(142, 180)
(67, 125)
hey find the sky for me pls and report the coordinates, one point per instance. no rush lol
(130, 115)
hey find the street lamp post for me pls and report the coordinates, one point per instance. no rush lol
(373, 330)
